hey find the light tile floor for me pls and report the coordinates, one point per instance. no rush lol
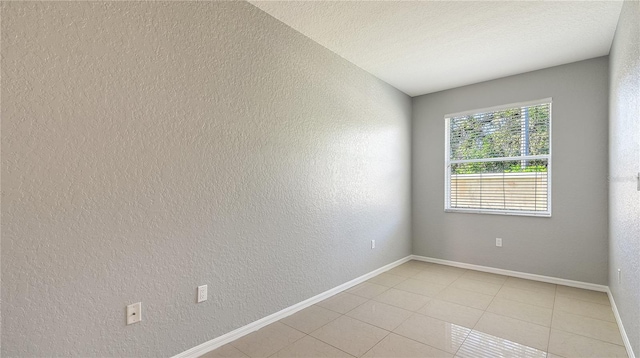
(421, 309)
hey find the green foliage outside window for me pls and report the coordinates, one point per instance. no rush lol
(508, 133)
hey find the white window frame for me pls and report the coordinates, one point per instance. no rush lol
(448, 161)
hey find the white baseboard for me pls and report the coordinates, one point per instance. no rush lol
(528, 276)
(623, 333)
(254, 326)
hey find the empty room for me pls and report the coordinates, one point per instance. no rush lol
(349, 179)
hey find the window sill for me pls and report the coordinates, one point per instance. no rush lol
(544, 214)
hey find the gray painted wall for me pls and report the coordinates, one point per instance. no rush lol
(572, 244)
(148, 148)
(624, 165)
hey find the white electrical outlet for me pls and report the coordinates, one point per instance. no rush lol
(202, 293)
(498, 242)
(619, 276)
(373, 244)
(134, 313)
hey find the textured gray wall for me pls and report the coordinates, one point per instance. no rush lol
(572, 244)
(624, 165)
(148, 148)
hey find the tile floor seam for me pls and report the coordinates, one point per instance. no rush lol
(585, 316)
(373, 346)
(582, 335)
(595, 339)
(526, 289)
(582, 300)
(471, 328)
(514, 341)
(377, 284)
(420, 293)
(327, 343)
(250, 356)
(394, 285)
(238, 348)
(485, 310)
(345, 292)
(291, 343)
(426, 344)
(523, 303)
(388, 288)
(341, 350)
(555, 294)
(241, 351)
(532, 304)
(441, 298)
(340, 315)
(285, 347)
(517, 319)
(371, 324)
(590, 318)
(480, 281)
(456, 352)
(464, 289)
(533, 282)
(353, 309)
(463, 341)
(591, 302)
(353, 355)
(430, 298)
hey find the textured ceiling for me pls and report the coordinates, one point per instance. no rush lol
(423, 47)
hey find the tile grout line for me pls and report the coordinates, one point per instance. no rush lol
(587, 317)
(392, 331)
(595, 339)
(521, 320)
(345, 315)
(526, 303)
(586, 301)
(553, 310)
(468, 333)
(341, 315)
(413, 313)
(579, 315)
(288, 345)
(483, 313)
(411, 339)
(378, 342)
(309, 334)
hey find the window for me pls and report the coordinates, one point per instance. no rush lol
(498, 160)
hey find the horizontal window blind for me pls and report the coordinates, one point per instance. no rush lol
(499, 160)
